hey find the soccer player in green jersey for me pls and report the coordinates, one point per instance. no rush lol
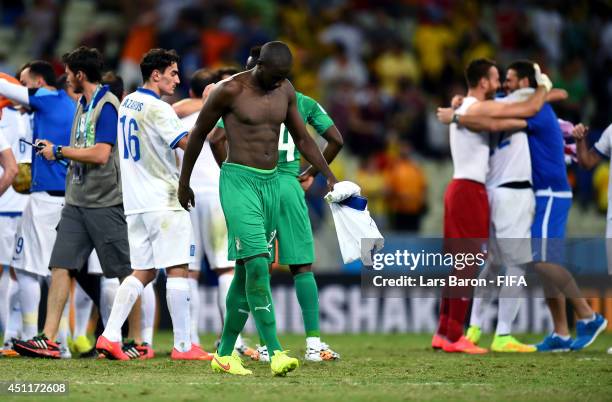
(253, 105)
(294, 233)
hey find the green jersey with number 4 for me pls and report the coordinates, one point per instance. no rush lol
(313, 114)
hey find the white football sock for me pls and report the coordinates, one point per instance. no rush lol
(507, 310)
(63, 330)
(478, 307)
(82, 311)
(588, 320)
(29, 298)
(225, 281)
(128, 292)
(483, 297)
(564, 337)
(4, 296)
(108, 290)
(13, 323)
(194, 309)
(177, 297)
(239, 342)
(313, 342)
(509, 302)
(147, 316)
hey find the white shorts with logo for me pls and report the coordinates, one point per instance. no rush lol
(36, 233)
(160, 239)
(210, 232)
(8, 229)
(512, 212)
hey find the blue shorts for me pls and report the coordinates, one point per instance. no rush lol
(548, 228)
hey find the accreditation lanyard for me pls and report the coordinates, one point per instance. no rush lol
(78, 169)
(85, 121)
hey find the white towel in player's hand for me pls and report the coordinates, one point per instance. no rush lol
(356, 232)
(342, 190)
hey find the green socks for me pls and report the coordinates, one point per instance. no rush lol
(308, 297)
(259, 296)
(250, 291)
(237, 312)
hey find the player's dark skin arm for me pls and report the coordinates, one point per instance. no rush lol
(331, 150)
(218, 145)
(304, 142)
(211, 112)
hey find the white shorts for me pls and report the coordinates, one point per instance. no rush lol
(512, 212)
(36, 234)
(210, 232)
(8, 229)
(160, 239)
(93, 264)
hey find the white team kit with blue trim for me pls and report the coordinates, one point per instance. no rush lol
(207, 217)
(604, 147)
(13, 127)
(510, 162)
(159, 229)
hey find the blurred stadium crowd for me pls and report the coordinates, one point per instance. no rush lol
(381, 68)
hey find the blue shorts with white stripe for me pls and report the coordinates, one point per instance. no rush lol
(548, 229)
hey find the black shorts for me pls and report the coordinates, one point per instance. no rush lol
(80, 230)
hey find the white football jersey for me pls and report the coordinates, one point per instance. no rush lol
(510, 160)
(15, 126)
(604, 147)
(206, 172)
(469, 150)
(147, 133)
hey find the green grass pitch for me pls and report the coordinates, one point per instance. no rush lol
(373, 367)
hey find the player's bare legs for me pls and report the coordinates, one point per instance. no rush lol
(556, 305)
(566, 284)
(58, 295)
(559, 286)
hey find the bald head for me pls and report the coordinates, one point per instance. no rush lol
(276, 54)
(273, 66)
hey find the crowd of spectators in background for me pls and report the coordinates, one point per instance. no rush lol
(380, 67)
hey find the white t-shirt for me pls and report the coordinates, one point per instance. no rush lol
(604, 147)
(510, 160)
(469, 150)
(206, 172)
(13, 127)
(148, 131)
